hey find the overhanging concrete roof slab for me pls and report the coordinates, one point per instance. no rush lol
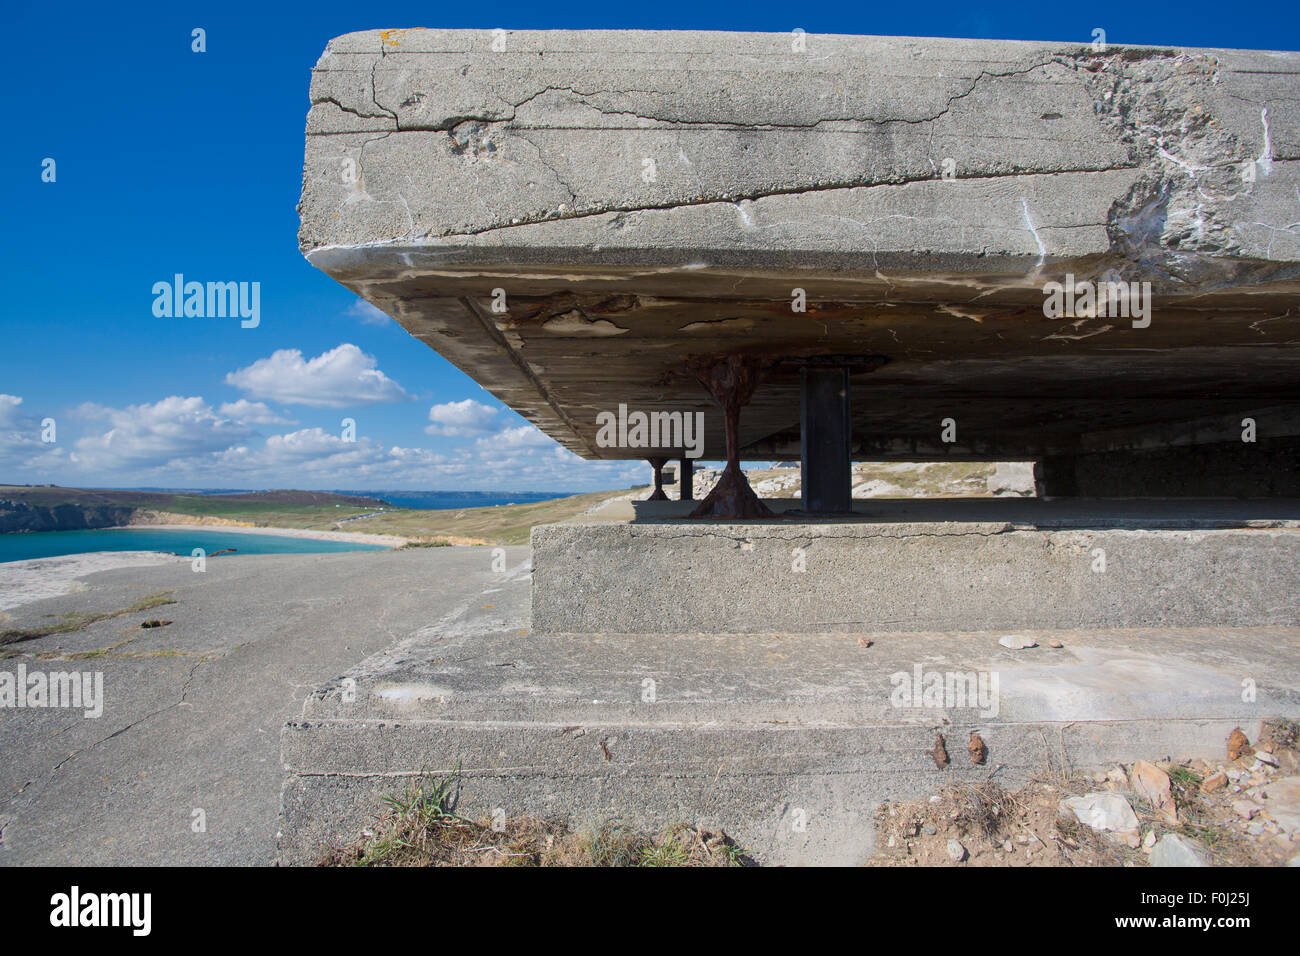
(643, 197)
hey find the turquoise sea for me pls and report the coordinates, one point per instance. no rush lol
(49, 544)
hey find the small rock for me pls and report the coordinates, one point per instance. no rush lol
(1284, 803)
(1017, 642)
(1216, 782)
(940, 752)
(929, 830)
(1245, 809)
(1175, 850)
(1055, 644)
(1149, 840)
(1238, 744)
(1152, 785)
(956, 852)
(1117, 778)
(1103, 811)
(863, 642)
(1255, 829)
(1128, 837)
(1267, 758)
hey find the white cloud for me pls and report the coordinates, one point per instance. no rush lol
(367, 313)
(314, 458)
(145, 435)
(467, 417)
(9, 410)
(21, 449)
(525, 436)
(184, 442)
(338, 378)
(253, 413)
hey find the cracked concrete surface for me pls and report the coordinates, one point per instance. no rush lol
(193, 711)
(724, 118)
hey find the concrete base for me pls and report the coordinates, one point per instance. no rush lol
(923, 565)
(787, 742)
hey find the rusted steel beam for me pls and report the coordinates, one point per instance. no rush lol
(658, 465)
(731, 382)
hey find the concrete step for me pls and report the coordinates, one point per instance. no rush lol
(787, 741)
(935, 565)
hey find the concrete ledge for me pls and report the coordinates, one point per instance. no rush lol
(677, 576)
(752, 732)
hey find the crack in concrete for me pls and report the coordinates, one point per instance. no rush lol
(679, 121)
(732, 198)
(117, 733)
(447, 123)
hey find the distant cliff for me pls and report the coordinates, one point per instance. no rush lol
(51, 508)
(22, 516)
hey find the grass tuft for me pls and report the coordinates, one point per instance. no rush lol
(76, 620)
(420, 827)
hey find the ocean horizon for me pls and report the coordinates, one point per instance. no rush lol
(415, 499)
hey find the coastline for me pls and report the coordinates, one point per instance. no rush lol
(391, 540)
(34, 579)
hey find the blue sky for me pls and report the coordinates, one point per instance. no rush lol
(172, 162)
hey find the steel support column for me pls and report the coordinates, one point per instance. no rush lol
(826, 441)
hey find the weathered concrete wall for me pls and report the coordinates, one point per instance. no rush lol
(678, 577)
(465, 140)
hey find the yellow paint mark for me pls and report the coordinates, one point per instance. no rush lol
(391, 37)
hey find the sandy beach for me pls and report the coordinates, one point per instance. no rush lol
(391, 540)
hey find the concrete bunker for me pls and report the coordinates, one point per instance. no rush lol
(846, 249)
